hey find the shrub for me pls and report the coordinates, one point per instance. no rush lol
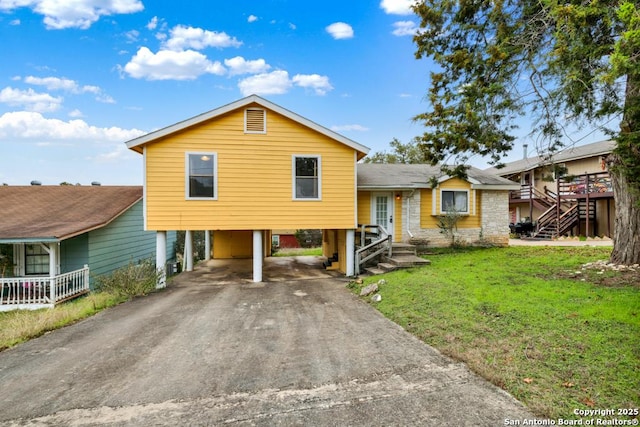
(130, 281)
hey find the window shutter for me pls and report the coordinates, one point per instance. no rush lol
(255, 120)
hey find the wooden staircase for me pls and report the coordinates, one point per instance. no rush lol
(560, 218)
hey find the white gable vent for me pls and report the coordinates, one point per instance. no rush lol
(255, 120)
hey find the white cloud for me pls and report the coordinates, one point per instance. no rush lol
(239, 65)
(320, 84)
(68, 85)
(132, 36)
(273, 83)
(397, 7)
(196, 38)
(30, 99)
(60, 14)
(53, 83)
(404, 28)
(171, 65)
(252, 18)
(152, 24)
(32, 125)
(340, 30)
(76, 114)
(344, 128)
(14, 22)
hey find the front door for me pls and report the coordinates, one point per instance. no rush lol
(382, 210)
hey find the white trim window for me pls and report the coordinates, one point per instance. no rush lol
(454, 200)
(201, 177)
(307, 177)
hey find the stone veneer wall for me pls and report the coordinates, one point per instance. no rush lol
(495, 221)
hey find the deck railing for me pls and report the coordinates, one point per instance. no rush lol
(37, 291)
(586, 184)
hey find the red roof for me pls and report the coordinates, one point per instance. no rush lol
(60, 212)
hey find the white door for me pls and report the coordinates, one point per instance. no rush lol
(382, 210)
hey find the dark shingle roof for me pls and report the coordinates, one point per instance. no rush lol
(60, 212)
(568, 154)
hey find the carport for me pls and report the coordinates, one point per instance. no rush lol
(274, 269)
(252, 261)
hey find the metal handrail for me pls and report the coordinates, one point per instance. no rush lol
(381, 231)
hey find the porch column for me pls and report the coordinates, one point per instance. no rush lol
(257, 256)
(188, 250)
(161, 258)
(350, 252)
(53, 267)
(207, 245)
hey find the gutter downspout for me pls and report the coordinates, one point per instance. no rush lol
(409, 197)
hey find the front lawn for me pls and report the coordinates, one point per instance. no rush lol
(530, 320)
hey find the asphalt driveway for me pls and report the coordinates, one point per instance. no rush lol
(301, 351)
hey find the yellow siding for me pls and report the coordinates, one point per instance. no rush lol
(364, 207)
(427, 220)
(254, 178)
(232, 244)
(342, 251)
(397, 219)
(430, 220)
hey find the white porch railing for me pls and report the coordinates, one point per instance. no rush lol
(32, 293)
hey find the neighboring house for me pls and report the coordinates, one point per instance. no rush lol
(569, 194)
(250, 167)
(284, 239)
(63, 236)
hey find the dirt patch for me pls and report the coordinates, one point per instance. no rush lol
(606, 274)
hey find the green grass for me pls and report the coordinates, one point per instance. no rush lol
(22, 325)
(299, 252)
(528, 321)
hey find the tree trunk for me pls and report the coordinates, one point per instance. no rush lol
(626, 233)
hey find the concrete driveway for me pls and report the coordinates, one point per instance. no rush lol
(207, 352)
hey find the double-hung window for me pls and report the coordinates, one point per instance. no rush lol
(457, 201)
(201, 176)
(306, 177)
(36, 260)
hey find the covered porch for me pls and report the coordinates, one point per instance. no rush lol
(33, 276)
(36, 292)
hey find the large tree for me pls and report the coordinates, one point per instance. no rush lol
(569, 63)
(400, 153)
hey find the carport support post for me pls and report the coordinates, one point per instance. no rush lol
(207, 245)
(161, 258)
(188, 250)
(257, 255)
(351, 253)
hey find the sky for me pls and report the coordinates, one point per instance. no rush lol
(80, 78)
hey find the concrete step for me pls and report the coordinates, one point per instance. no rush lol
(406, 261)
(386, 266)
(374, 271)
(403, 248)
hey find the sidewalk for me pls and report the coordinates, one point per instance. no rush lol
(562, 242)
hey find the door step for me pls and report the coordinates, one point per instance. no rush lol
(406, 260)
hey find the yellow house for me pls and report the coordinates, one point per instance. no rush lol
(247, 168)
(243, 170)
(410, 200)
